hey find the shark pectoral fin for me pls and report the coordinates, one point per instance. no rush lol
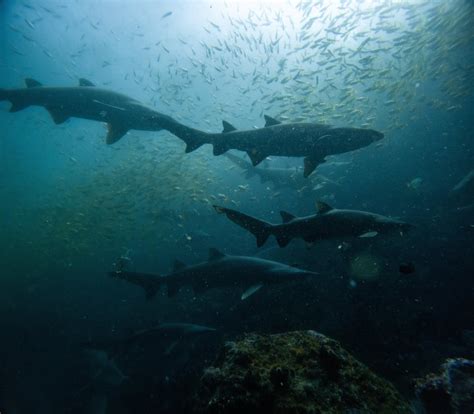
(115, 132)
(256, 157)
(269, 121)
(282, 240)
(85, 82)
(286, 217)
(310, 165)
(368, 235)
(251, 290)
(58, 115)
(228, 127)
(32, 83)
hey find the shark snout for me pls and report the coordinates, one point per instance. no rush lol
(399, 225)
(204, 330)
(305, 273)
(376, 135)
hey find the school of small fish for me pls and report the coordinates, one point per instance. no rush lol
(330, 62)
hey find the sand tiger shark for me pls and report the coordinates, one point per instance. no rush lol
(221, 270)
(120, 112)
(312, 141)
(279, 177)
(169, 333)
(328, 223)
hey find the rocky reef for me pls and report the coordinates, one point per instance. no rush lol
(449, 392)
(298, 372)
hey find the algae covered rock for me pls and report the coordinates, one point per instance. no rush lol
(449, 392)
(297, 372)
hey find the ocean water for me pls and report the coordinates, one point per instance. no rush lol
(73, 208)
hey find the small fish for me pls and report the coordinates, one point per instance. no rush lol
(168, 14)
(415, 184)
(368, 235)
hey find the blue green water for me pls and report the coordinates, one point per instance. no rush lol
(71, 205)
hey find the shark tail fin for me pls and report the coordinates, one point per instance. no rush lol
(259, 228)
(150, 283)
(193, 142)
(193, 138)
(17, 103)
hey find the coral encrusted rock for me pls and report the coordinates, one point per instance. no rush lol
(451, 391)
(293, 373)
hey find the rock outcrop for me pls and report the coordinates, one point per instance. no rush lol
(451, 391)
(292, 373)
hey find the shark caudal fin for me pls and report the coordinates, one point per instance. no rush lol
(149, 282)
(193, 138)
(259, 228)
(17, 103)
(3, 95)
(192, 141)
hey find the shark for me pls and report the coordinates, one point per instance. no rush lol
(312, 141)
(279, 177)
(165, 336)
(327, 223)
(170, 332)
(104, 379)
(120, 112)
(219, 271)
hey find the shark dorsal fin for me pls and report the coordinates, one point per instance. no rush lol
(286, 217)
(215, 254)
(269, 121)
(228, 127)
(85, 82)
(322, 207)
(31, 83)
(178, 265)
